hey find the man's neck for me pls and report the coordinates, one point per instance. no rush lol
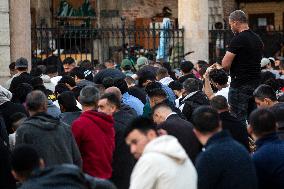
(87, 108)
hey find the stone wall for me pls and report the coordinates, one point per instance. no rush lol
(4, 38)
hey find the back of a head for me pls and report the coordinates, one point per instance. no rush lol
(206, 119)
(140, 123)
(162, 106)
(108, 82)
(239, 16)
(78, 72)
(186, 66)
(152, 86)
(36, 81)
(265, 91)
(112, 99)
(24, 160)
(87, 65)
(115, 91)
(68, 101)
(66, 79)
(145, 77)
(89, 96)
(191, 85)
(162, 73)
(158, 92)
(218, 76)
(51, 69)
(60, 88)
(36, 100)
(68, 60)
(219, 103)
(121, 84)
(175, 85)
(262, 121)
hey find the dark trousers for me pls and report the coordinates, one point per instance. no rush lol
(242, 102)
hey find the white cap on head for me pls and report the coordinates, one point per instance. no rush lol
(264, 62)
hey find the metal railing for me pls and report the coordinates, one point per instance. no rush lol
(114, 42)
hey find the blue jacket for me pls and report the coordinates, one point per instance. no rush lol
(225, 164)
(269, 162)
(133, 102)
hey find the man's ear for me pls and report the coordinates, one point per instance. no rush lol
(151, 134)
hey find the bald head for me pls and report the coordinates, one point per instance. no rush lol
(115, 91)
(161, 112)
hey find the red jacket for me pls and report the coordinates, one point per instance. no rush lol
(94, 134)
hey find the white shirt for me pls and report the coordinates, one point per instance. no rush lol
(223, 92)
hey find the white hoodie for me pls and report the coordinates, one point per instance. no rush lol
(164, 165)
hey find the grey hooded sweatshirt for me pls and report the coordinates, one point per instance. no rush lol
(52, 139)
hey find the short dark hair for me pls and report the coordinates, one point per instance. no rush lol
(238, 15)
(87, 64)
(36, 72)
(67, 79)
(152, 86)
(144, 77)
(68, 60)
(60, 88)
(175, 85)
(262, 121)
(36, 100)
(77, 71)
(191, 85)
(205, 119)
(158, 92)
(68, 101)
(108, 82)
(218, 76)
(219, 102)
(89, 96)
(265, 91)
(121, 84)
(24, 160)
(112, 99)
(186, 66)
(51, 69)
(36, 81)
(142, 124)
(163, 72)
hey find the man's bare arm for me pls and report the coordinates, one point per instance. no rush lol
(227, 60)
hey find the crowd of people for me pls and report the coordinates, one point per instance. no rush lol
(144, 125)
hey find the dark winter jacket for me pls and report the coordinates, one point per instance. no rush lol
(69, 117)
(22, 78)
(7, 110)
(183, 131)
(236, 128)
(6, 178)
(64, 176)
(269, 162)
(109, 72)
(123, 160)
(192, 102)
(224, 163)
(94, 134)
(51, 138)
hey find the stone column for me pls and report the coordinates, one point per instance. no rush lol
(4, 38)
(193, 16)
(20, 20)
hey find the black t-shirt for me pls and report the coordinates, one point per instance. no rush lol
(245, 68)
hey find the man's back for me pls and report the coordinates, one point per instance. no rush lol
(269, 162)
(94, 134)
(183, 131)
(164, 168)
(22, 78)
(225, 164)
(52, 139)
(236, 128)
(245, 69)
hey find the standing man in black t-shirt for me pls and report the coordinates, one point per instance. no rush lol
(242, 59)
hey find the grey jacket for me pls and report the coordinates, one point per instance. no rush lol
(51, 138)
(69, 117)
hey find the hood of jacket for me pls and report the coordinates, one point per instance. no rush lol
(42, 121)
(169, 146)
(45, 78)
(103, 121)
